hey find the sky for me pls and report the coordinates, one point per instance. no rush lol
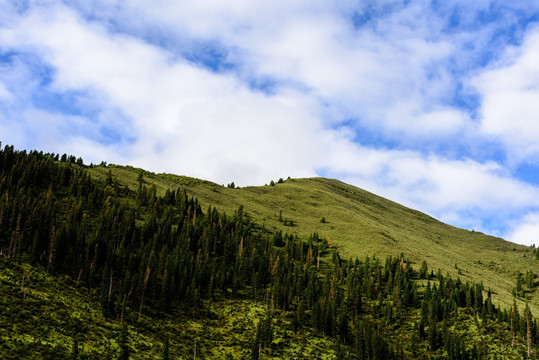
(432, 104)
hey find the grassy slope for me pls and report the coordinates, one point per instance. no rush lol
(359, 223)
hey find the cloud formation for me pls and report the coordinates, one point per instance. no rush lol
(510, 99)
(414, 102)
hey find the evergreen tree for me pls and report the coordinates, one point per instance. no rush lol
(423, 270)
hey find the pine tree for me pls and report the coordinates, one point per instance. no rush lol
(423, 270)
(14, 243)
(518, 287)
(145, 283)
(514, 321)
(52, 250)
(527, 315)
(432, 335)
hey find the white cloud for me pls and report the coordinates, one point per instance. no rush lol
(5, 94)
(387, 77)
(435, 184)
(526, 231)
(367, 74)
(57, 133)
(510, 104)
(211, 123)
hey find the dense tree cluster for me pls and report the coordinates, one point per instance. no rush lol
(146, 252)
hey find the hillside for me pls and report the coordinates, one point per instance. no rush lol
(108, 262)
(48, 316)
(358, 224)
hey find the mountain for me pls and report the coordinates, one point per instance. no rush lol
(358, 224)
(116, 262)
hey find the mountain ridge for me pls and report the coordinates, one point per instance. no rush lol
(359, 223)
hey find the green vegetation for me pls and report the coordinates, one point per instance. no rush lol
(124, 267)
(52, 313)
(363, 224)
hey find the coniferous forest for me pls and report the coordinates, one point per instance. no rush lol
(148, 267)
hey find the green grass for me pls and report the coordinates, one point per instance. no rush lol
(359, 223)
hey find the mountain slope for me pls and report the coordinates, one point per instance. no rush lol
(84, 259)
(358, 224)
(48, 316)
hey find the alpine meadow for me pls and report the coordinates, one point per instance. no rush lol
(116, 262)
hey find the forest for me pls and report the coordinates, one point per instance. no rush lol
(145, 258)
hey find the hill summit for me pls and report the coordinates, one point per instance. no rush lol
(358, 223)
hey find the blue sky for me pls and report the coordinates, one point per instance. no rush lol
(433, 104)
